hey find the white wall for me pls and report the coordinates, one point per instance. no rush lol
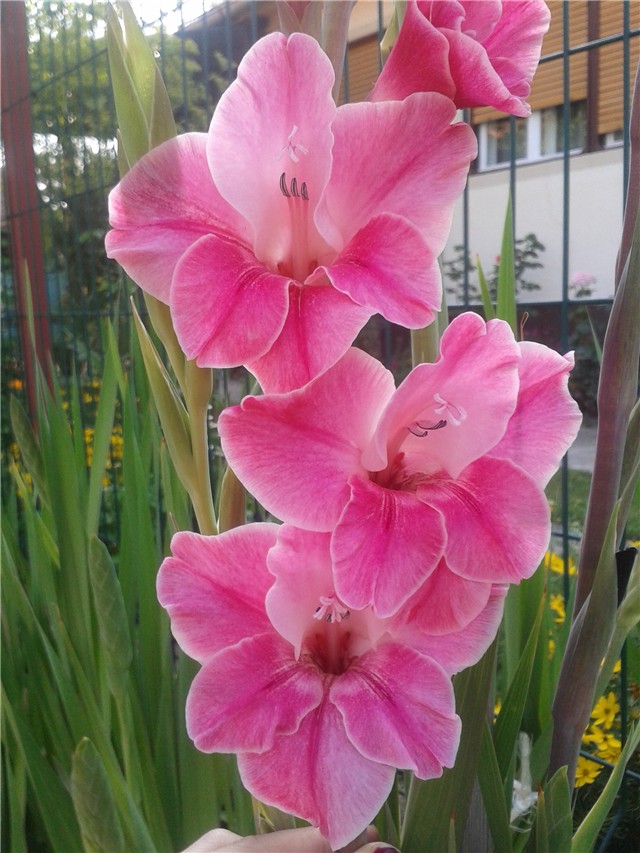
(595, 218)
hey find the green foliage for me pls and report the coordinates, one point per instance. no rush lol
(94, 743)
(526, 252)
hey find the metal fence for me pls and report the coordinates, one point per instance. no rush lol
(60, 161)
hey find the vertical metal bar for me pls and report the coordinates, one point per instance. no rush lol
(564, 309)
(22, 195)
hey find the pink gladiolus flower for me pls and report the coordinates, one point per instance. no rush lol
(275, 236)
(477, 52)
(321, 702)
(451, 465)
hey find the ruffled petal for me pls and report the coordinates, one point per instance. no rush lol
(419, 179)
(320, 776)
(497, 521)
(248, 694)
(398, 708)
(477, 83)
(547, 419)
(472, 388)
(214, 587)
(295, 452)
(384, 547)
(445, 602)
(226, 307)
(275, 118)
(388, 268)
(514, 45)
(320, 326)
(162, 207)
(459, 649)
(419, 60)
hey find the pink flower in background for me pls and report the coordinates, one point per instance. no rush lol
(449, 467)
(321, 702)
(275, 236)
(476, 52)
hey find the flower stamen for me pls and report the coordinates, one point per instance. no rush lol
(331, 610)
(455, 414)
(421, 429)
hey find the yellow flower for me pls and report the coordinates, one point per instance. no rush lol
(556, 563)
(496, 708)
(551, 649)
(15, 384)
(586, 771)
(605, 710)
(610, 748)
(556, 603)
(617, 666)
(593, 735)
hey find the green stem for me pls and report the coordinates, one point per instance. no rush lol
(425, 344)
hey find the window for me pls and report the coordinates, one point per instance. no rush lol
(536, 138)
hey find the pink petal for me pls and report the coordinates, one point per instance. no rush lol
(473, 387)
(477, 82)
(321, 325)
(161, 207)
(388, 268)
(384, 547)
(204, 587)
(226, 307)
(459, 649)
(420, 179)
(418, 61)
(276, 117)
(398, 708)
(296, 451)
(320, 776)
(497, 521)
(445, 602)
(248, 694)
(546, 420)
(514, 45)
(301, 564)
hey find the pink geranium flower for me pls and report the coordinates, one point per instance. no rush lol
(451, 465)
(321, 702)
(275, 236)
(477, 52)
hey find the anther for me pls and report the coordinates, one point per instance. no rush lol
(283, 186)
(294, 188)
(420, 430)
(303, 191)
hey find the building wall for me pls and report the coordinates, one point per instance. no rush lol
(595, 218)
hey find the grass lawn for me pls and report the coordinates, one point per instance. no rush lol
(579, 482)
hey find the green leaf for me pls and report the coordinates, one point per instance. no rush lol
(627, 617)
(554, 822)
(586, 647)
(586, 836)
(173, 415)
(93, 801)
(132, 121)
(30, 450)
(509, 719)
(506, 296)
(52, 799)
(487, 305)
(101, 444)
(492, 789)
(113, 625)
